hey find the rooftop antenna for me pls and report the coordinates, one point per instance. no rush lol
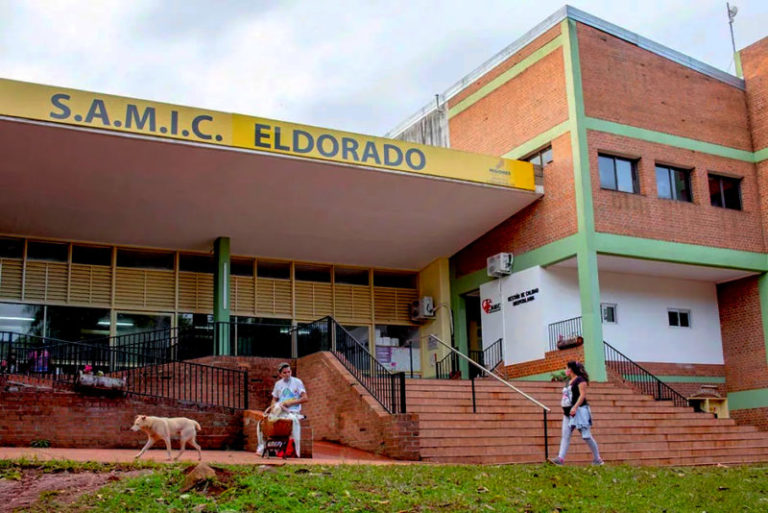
(732, 11)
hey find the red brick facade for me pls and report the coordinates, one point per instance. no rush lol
(753, 416)
(68, 419)
(342, 411)
(553, 361)
(754, 60)
(551, 218)
(626, 84)
(742, 331)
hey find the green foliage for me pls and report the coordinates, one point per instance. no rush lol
(435, 488)
(40, 444)
(559, 376)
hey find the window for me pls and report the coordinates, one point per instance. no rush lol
(725, 192)
(618, 174)
(50, 251)
(197, 263)
(145, 259)
(608, 312)
(673, 183)
(280, 270)
(539, 159)
(394, 279)
(90, 255)
(679, 318)
(11, 248)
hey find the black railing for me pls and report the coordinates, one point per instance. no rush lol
(640, 378)
(448, 367)
(490, 358)
(326, 334)
(568, 329)
(149, 375)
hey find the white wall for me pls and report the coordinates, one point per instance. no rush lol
(642, 331)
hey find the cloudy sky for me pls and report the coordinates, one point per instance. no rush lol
(357, 65)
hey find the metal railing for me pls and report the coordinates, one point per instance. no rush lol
(640, 378)
(448, 367)
(489, 357)
(489, 372)
(325, 334)
(149, 375)
(564, 330)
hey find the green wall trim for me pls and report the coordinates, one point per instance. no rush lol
(589, 286)
(761, 155)
(651, 249)
(544, 376)
(762, 288)
(221, 300)
(748, 399)
(539, 141)
(680, 379)
(668, 139)
(506, 76)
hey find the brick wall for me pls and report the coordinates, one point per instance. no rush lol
(342, 411)
(551, 218)
(626, 84)
(68, 419)
(553, 361)
(645, 215)
(742, 332)
(754, 416)
(754, 62)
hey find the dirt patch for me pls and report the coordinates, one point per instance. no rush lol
(63, 487)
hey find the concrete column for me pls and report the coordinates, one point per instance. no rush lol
(221, 299)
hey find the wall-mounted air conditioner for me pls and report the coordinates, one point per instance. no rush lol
(499, 265)
(423, 309)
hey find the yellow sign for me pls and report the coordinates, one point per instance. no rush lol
(107, 112)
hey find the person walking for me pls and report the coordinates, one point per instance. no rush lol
(576, 413)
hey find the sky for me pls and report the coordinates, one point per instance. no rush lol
(357, 65)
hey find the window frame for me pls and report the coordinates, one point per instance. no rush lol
(721, 178)
(678, 311)
(674, 193)
(603, 308)
(633, 163)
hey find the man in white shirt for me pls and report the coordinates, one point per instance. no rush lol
(289, 391)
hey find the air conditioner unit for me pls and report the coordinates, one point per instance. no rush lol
(423, 309)
(499, 265)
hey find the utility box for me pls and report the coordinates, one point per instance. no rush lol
(423, 309)
(499, 265)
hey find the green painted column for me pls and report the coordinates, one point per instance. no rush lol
(221, 299)
(762, 287)
(586, 245)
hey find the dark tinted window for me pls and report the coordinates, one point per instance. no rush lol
(673, 183)
(393, 279)
(91, 255)
(725, 192)
(242, 267)
(196, 263)
(351, 276)
(273, 270)
(11, 248)
(144, 259)
(50, 251)
(618, 174)
(308, 272)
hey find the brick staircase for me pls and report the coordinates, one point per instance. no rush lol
(630, 427)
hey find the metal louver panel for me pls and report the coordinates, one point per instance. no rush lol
(195, 292)
(273, 296)
(45, 281)
(313, 299)
(393, 304)
(144, 288)
(10, 278)
(241, 290)
(352, 302)
(90, 284)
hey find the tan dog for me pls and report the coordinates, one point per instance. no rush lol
(163, 428)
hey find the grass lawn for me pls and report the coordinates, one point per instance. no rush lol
(414, 488)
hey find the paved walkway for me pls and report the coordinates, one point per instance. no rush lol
(324, 453)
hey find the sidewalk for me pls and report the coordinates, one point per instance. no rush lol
(324, 453)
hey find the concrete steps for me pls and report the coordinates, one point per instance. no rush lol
(629, 427)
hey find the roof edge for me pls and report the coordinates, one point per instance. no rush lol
(570, 12)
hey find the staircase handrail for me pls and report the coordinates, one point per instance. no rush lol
(144, 375)
(391, 395)
(657, 386)
(490, 373)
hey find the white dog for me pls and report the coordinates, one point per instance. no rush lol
(163, 428)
